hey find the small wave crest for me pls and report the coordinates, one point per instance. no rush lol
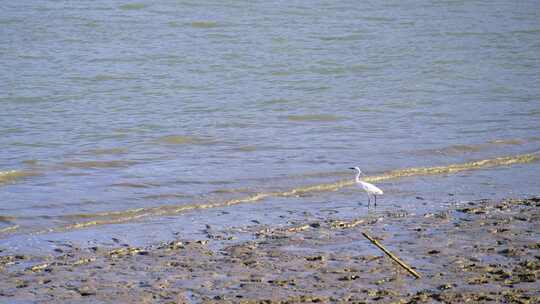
(95, 164)
(204, 24)
(314, 118)
(111, 151)
(133, 6)
(515, 141)
(13, 175)
(471, 148)
(9, 229)
(181, 140)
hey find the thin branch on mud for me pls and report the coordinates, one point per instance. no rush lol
(392, 256)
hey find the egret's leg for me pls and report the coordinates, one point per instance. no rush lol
(375, 197)
(368, 200)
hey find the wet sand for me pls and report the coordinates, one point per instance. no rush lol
(481, 251)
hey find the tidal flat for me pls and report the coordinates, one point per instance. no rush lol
(482, 251)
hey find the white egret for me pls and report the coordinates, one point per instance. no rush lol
(369, 188)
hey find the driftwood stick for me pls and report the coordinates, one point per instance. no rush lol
(392, 256)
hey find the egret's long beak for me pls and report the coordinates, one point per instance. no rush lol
(352, 168)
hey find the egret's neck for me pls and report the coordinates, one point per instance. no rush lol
(358, 176)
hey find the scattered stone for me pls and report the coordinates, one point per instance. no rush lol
(83, 261)
(348, 278)
(21, 283)
(315, 258)
(534, 246)
(315, 225)
(86, 292)
(479, 210)
(509, 252)
(446, 286)
(40, 267)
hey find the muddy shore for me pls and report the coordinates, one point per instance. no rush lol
(476, 252)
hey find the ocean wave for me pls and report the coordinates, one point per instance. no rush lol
(123, 216)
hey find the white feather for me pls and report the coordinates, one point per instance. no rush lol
(369, 188)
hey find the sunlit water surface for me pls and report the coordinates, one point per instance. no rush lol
(142, 118)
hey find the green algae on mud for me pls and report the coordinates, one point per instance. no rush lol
(482, 251)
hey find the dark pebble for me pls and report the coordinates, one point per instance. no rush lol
(86, 293)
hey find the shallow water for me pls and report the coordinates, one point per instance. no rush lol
(138, 112)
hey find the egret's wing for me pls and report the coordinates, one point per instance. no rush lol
(372, 188)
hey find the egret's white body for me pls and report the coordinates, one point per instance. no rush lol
(369, 188)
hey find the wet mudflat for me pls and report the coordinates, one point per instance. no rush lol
(481, 251)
